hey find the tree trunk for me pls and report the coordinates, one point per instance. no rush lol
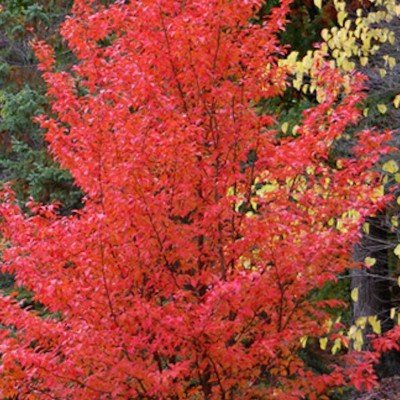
(374, 289)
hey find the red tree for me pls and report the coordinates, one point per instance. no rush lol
(188, 272)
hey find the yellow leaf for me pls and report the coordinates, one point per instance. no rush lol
(369, 261)
(230, 191)
(392, 312)
(246, 263)
(379, 191)
(267, 188)
(348, 65)
(339, 226)
(375, 323)
(341, 16)
(303, 341)
(398, 201)
(391, 61)
(382, 72)
(353, 214)
(298, 82)
(292, 58)
(396, 101)
(366, 112)
(318, 3)
(358, 340)
(382, 108)
(285, 127)
(325, 34)
(354, 294)
(337, 346)
(339, 5)
(366, 228)
(323, 343)
(352, 331)
(397, 250)
(310, 170)
(361, 322)
(328, 325)
(390, 166)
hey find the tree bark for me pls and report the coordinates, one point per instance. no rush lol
(374, 289)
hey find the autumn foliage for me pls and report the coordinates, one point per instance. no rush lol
(189, 272)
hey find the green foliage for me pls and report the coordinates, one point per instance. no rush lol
(23, 157)
(37, 177)
(305, 24)
(17, 110)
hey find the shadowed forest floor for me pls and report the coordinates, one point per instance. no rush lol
(389, 389)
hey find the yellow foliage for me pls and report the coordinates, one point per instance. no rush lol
(369, 261)
(336, 346)
(354, 295)
(375, 324)
(396, 101)
(382, 108)
(318, 3)
(397, 250)
(361, 322)
(348, 44)
(323, 343)
(358, 340)
(390, 166)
